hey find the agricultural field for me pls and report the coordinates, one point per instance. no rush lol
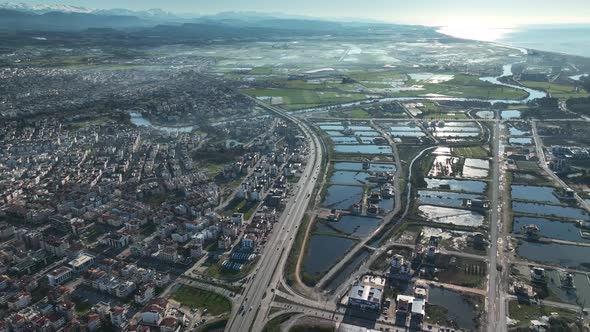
(559, 91)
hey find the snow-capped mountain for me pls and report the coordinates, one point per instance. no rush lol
(42, 9)
(154, 14)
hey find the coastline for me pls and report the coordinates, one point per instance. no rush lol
(500, 43)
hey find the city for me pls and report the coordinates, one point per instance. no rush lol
(260, 172)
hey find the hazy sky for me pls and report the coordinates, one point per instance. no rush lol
(432, 12)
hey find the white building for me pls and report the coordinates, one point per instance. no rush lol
(59, 276)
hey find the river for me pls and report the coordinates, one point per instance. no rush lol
(507, 71)
(138, 120)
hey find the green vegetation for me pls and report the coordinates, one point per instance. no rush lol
(301, 98)
(470, 152)
(580, 105)
(467, 86)
(274, 325)
(296, 250)
(87, 123)
(525, 312)
(437, 315)
(82, 306)
(202, 299)
(558, 91)
(444, 116)
(218, 272)
(215, 326)
(312, 328)
(525, 165)
(359, 113)
(378, 76)
(244, 206)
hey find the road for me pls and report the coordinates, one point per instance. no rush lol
(496, 305)
(256, 299)
(543, 164)
(387, 219)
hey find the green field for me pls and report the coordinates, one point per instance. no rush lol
(301, 98)
(202, 299)
(524, 313)
(378, 76)
(559, 91)
(462, 85)
(443, 116)
(359, 113)
(525, 165)
(470, 152)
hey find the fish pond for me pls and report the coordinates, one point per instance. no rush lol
(563, 255)
(456, 185)
(459, 309)
(342, 197)
(534, 193)
(553, 229)
(348, 177)
(559, 211)
(323, 251)
(363, 149)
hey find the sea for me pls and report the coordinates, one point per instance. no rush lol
(566, 38)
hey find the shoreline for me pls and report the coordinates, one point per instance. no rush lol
(523, 50)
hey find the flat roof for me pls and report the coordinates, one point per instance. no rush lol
(81, 260)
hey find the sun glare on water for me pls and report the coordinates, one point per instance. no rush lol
(475, 32)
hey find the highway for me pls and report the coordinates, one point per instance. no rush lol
(496, 305)
(256, 299)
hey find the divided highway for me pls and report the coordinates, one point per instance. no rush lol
(253, 305)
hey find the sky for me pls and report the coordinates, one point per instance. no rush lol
(488, 13)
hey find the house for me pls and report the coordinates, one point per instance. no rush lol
(117, 315)
(116, 240)
(168, 324)
(55, 246)
(237, 218)
(19, 301)
(59, 276)
(81, 263)
(365, 297)
(367, 293)
(248, 242)
(152, 313)
(145, 293)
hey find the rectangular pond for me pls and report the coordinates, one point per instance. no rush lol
(444, 198)
(363, 149)
(513, 114)
(476, 168)
(342, 197)
(456, 185)
(344, 140)
(348, 177)
(567, 212)
(356, 225)
(417, 133)
(553, 229)
(517, 132)
(520, 140)
(563, 255)
(352, 166)
(534, 193)
(332, 127)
